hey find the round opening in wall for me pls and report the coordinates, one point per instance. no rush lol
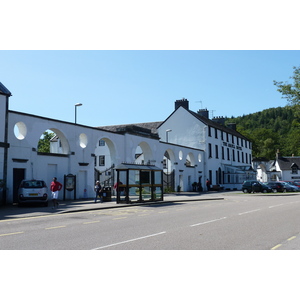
(83, 140)
(199, 157)
(180, 156)
(20, 130)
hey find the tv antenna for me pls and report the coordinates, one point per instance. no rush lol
(200, 102)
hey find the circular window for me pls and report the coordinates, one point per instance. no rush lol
(83, 140)
(20, 130)
(180, 155)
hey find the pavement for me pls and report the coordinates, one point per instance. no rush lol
(68, 206)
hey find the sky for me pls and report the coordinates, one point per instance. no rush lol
(135, 86)
(129, 61)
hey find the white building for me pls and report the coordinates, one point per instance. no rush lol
(282, 168)
(187, 146)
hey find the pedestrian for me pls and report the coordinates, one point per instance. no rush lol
(208, 184)
(55, 187)
(98, 191)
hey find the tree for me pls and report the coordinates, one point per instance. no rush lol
(44, 142)
(290, 91)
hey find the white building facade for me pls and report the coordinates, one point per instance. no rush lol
(183, 146)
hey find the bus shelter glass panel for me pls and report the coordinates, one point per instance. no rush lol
(122, 185)
(146, 193)
(157, 193)
(145, 177)
(134, 178)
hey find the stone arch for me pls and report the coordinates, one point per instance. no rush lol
(143, 153)
(190, 160)
(105, 161)
(59, 143)
(168, 170)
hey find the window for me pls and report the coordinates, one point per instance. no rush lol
(216, 133)
(217, 151)
(228, 154)
(294, 170)
(101, 143)
(102, 160)
(223, 153)
(233, 155)
(222, 135)
(209, 151)
(209, 131)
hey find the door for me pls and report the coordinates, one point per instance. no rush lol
(18, 176)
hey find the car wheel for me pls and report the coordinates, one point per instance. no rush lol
(245, 191)
(274, 190)
(264, 191)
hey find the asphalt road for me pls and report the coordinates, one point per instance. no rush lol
(240, 221)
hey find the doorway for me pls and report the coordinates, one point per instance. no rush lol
(18, 176)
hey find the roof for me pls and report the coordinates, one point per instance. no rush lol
(4, 90)
(125, 166)
(287, 162)
(211, 123)
(145, 129)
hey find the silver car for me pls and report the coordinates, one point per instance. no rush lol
(33, 191)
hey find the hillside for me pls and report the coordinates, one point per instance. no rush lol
(271, 129)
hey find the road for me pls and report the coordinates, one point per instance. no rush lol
(239, 222)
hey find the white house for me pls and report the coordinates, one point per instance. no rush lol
(227, 154)
(188, 146)
(282, 168)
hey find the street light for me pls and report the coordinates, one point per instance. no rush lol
(76, 105)
(167, 134)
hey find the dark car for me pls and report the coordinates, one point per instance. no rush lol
(277, 186)
(254, 186)
(290, 187)
(33, 191)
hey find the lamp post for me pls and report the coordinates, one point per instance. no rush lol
(167, 134)
(76, 105)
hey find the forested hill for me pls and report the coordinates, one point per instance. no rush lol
(271, 129)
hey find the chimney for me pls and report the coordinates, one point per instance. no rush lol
(183, 102)
(278, 155)
(219, 120)
(203, 113)
(232, 126)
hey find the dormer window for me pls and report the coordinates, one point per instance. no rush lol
(294, 168)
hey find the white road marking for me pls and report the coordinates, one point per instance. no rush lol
(275, 205)
(215, 220)
(249, 211)
(128, 241)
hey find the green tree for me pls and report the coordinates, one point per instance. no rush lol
(291, 91)
(44, 142)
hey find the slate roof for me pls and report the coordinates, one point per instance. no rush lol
(286, 162)
(4, 90)
(149, 128)
(212, 123)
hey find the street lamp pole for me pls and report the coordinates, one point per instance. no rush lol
(76, 105)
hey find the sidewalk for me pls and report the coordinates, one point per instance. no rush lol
(68, 206)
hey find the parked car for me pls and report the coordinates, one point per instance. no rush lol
(297, 183)
(277, 186)
(33, 191)
(254, 186)
(290, 187)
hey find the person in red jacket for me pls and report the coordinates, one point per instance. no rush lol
(55, 187)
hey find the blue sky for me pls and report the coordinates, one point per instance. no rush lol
(121, 87)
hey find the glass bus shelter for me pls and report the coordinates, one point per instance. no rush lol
(139, 183)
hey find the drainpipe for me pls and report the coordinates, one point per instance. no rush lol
(6, 146)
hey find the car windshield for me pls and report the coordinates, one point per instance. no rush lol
(33, 184)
